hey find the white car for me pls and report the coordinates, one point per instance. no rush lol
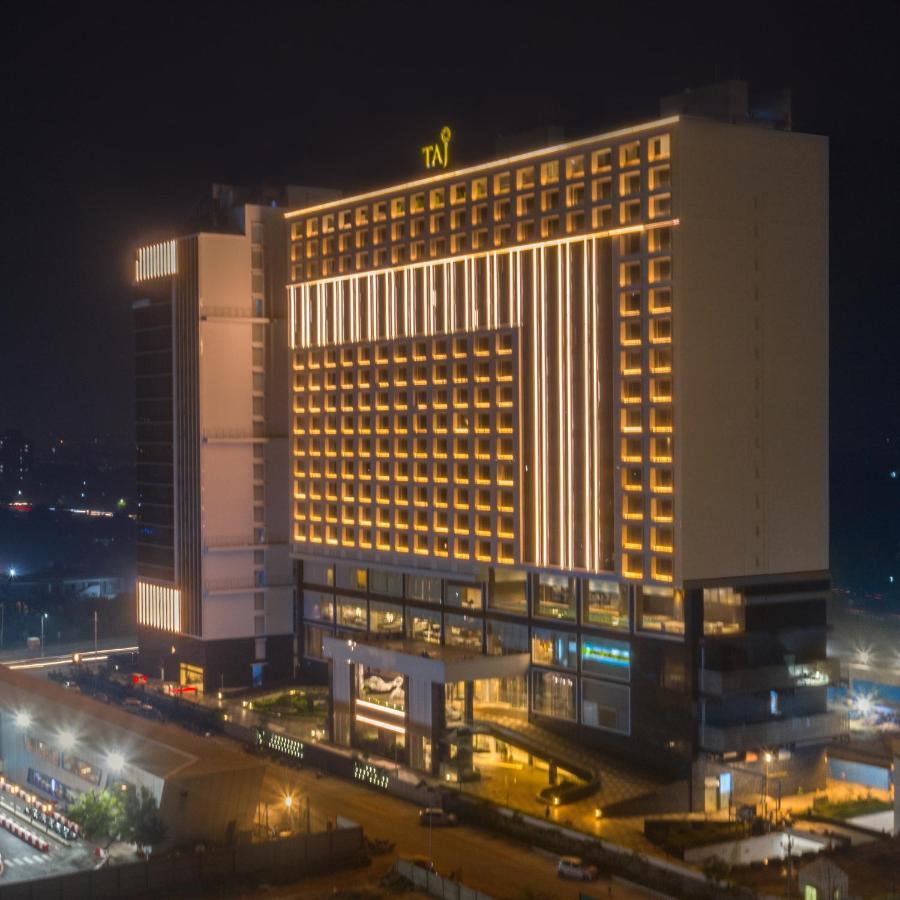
(575, 868)
(436, 817)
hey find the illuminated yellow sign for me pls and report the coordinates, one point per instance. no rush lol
(438, 155)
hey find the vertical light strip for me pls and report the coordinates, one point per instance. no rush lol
(292, 294)
(562, 366)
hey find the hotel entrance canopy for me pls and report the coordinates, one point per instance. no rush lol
(423, 662)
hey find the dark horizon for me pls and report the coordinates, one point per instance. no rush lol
(117, 128)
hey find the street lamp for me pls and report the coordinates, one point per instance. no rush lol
(767, 757)
(115, 761)
(23, 720)
(43, 619)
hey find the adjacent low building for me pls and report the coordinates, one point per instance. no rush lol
(62, 745)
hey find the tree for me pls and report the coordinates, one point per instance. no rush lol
(141, 821)
(98, 813)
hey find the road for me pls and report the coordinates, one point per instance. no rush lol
(493, 864)
(22, 862)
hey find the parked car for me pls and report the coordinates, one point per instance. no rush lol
(575, 868)
(436, 817)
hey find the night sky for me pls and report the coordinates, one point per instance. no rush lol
(116, 123)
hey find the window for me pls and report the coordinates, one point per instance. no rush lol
(312, 641)
(351, 612)
(318, 573)
(351, 577)
(508, 591)
(317, 605)
(606, 604)
(427, 590)
(506, 637)
(553, 695)
(723, 611)
(385, 618)
(555, 597)
(554, 648)
(462, 631)
(603, 656)
(606, 706)
(467, 596)
(661, 609)
(390, 583)
(424, 625)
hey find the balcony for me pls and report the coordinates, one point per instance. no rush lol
(774, 733)
(240, 585)
(247, 541)
(765, 678)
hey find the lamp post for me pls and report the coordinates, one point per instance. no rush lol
(767, 758)
(43, 619)
(289, 806)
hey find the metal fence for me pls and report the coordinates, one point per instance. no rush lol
(186, 874)
(436, 885)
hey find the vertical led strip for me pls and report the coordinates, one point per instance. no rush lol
(159, 606)
(156, 261)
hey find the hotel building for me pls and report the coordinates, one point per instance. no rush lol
(558, 447)
(215, 589)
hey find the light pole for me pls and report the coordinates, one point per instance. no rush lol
(767, 758)
(95, 631)
(43, 619)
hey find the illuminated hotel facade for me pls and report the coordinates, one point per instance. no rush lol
(564, 415)
(215, 589)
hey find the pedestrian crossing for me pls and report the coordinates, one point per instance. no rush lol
(31, 859)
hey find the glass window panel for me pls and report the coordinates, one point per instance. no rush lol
(351, 612)
(466, 596)
(606, 604)
(606, 706)
(317, 605)
(419, 587)
(506, 637)
(423, 624)
(318, 573)
(351, 577)
(553, 695)
(312, 645)
(381, 582)
(509, 591)
(661, 609)
(462, 631)
(385, 618)
(554, 648)
(723, 611)
(556, 597)
(606, 657)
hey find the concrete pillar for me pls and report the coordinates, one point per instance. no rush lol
(469, 713)
(553, 773)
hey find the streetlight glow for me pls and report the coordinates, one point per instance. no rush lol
(66, 740)
(23, 719)
(115, 761)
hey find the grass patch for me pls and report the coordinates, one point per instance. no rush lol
(677, 835)
(849, 809)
